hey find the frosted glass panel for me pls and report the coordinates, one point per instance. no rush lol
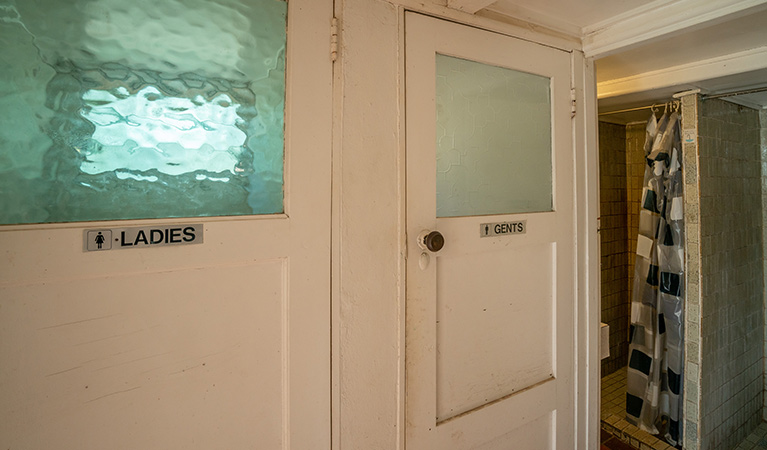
(114, 109)
(493, 140)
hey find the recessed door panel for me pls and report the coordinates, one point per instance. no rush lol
(174, 366)
(487, 303)
(536, 435)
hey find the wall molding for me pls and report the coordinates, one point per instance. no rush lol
(537, 18)
(661, 18)
(490, 20)
(469, 6)
(686, 74)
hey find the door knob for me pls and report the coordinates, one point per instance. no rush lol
(431, 240)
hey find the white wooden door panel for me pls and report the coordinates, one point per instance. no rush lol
(492, 311)
(490, 328)
(173, 368)
(535, 435)
(224, 344)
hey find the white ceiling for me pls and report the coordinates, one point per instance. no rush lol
(647, 50)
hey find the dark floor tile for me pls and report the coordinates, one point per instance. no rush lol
(616, 444)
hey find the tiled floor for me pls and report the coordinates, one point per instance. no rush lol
(614, 422)
(756, 440)
(614, 394)
(614, 415)
(610, 442)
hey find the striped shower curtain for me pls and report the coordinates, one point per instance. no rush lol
(654, 382)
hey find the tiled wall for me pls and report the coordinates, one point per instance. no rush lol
(763, 133)
(613, 241)
(621, 165)
(635, 167)
(731, 274)
(691, 384)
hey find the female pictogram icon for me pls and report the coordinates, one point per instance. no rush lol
(99, 240)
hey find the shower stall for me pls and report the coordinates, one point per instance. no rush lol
(724, 173)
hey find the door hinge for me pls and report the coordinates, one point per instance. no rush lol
(334, 39)
(572, 102)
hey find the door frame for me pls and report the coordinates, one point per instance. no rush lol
(584, 127)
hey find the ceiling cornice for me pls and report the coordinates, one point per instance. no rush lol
(661, 18)
(537, 18)
(686, 74)
(469, 6)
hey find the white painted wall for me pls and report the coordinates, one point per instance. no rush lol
(368, 229)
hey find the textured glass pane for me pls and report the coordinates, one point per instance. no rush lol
(115, 109)
(493, 140)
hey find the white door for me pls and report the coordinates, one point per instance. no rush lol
(223, 344)
(490, 315)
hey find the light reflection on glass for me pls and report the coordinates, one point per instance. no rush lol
(174, 135)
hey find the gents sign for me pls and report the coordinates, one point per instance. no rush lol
(502, 228)
(160, 236)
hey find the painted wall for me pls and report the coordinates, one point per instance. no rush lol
(731, 290)
(369, 216)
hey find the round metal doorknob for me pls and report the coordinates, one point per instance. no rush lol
(433, 241)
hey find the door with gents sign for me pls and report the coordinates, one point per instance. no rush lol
(490, 268)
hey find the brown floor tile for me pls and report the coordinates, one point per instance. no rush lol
(616, 444)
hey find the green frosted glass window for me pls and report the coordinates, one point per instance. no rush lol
(114, 109)
(493, 140)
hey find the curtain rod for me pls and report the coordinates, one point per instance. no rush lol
(639, 108)
(704, 96)
(734, 93)
(625, 110)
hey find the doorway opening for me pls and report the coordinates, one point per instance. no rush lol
(622, 173)
(724, 310)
